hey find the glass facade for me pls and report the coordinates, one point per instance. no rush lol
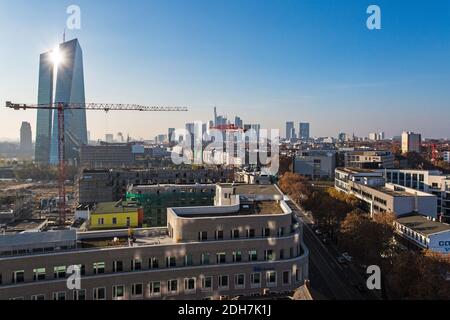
(44, 117)
(70, 89)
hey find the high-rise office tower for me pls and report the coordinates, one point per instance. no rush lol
(65, 64)
(44, 116)
(304, 130)
(26, 145)
(238, 122)
(411, 142)
(290, 130)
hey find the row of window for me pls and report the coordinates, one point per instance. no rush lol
(237, 234)
(175, 286)
(59, 272)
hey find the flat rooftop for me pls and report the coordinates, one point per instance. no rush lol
(394, 193)
(246, 208)
(422, 225)
(106, 238)
(357, 170)
(26, 225)
(253, 189)
(114, 207)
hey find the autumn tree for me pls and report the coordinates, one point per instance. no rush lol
(295, 186)
(367, 239)
(416, 275)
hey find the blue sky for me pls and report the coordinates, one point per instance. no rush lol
(266, 60)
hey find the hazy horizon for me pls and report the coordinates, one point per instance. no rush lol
(267, 62)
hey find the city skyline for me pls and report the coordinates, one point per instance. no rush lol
(336, 74)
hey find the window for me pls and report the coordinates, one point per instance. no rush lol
(207, 283)
(38, 297)
(189, 285)
(128, 222)
(153, 263)
(114, 221)
(219, 235)
(79, 294)
(39, 274)
(171, 262)
(172, 286)
(235, 234)
(205, 258)
(137, 290)
(203, 236)
(237, 256)
(255, 279)
(101, 221)
(99, 267)
(221, 257)
(60, 296)
(223, 282)
(136, 264)
(266, 232)
(268, 255)
(99, 294)
(155, 289)
(18, 276)
(239, 281)
(188, 260)
(117, 266)
(59, 272)
(286, 277)
(281, 231)
(253, 255)
(82, 269)
(118, 292)
(281, 254)
(250, 233)
(271, 278)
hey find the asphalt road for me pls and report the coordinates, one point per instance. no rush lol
(330, 278)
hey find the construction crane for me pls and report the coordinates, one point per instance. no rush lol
(61, 107)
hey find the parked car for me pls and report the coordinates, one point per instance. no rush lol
(347, 257)
(318, 232)
(325, 240)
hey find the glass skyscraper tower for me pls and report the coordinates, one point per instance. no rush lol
(69, 88)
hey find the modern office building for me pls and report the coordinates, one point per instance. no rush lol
(26, 145)
(238, 122)
(290, 130)
(249, 243)
(371, 187)
(422, 233)
(315, 164)
(304, 133)
(430, 181)
(69, 88)
(411, 142)
(44, 116)
(369, 159)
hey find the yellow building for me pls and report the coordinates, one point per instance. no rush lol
(115, 215)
